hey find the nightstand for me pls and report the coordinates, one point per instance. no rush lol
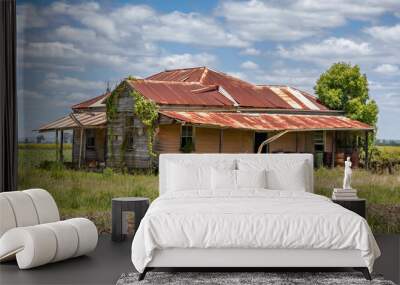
(357, 205)
(138, 205)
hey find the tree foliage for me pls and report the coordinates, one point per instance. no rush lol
(343, 87)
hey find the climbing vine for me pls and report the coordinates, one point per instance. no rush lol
(147, 111)
(111, 111)
(111, 102)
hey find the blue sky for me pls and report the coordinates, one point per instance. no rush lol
(68, 50)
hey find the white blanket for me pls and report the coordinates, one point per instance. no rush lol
(250, 219)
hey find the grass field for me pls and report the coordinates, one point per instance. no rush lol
(31, 155)
(394, 150)
(80, 193)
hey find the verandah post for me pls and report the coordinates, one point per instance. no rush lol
(221, 139)
(333, 149)
(366, 150)
(56, 145)
(80, 149)
(62, 146)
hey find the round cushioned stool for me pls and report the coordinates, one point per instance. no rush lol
(31, 232)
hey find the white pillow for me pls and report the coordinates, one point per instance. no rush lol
(295, 181)
(185, 178)
(283, 173)
(223, 179)
(251, 178)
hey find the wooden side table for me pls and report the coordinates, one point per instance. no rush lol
(357, 205)
(138, 205)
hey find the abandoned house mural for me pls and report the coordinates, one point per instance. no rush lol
(204, 111)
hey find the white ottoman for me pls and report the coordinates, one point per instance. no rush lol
(31, 232)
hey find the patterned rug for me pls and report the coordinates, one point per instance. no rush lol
(230, 278)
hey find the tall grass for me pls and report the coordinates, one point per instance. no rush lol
(382, 192)
(390, 149)
(37, 146)
(81, 193)
(31, 155)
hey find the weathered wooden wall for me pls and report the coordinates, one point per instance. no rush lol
(299, 142)
(168, 139)
(207, 140)
(238, 141)
(286, 143)
(88, 155)
(75, 145)
(118, 153)
(328, 141)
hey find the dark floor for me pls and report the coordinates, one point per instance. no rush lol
(103, 266)
(110, 260)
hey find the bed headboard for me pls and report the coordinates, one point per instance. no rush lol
(283, 162)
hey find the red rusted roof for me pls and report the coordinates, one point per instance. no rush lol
(244, 93)
(181, 75)
(94, 102)
(76, 120)
(180, 93)
(267, 122)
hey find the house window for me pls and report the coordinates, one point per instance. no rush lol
(90, 139)
(319, 142)
(318, 138)
(187, 141)
(129, 132)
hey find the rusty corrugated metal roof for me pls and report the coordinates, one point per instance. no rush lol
(180, 75)
(76, 120)
(268, 122)
(92, 103)
(244, 93)
(180, 93)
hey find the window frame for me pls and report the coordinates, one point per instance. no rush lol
(185, 136)
(129, 132)
(90, 134)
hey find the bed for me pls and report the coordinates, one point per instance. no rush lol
(247, 210)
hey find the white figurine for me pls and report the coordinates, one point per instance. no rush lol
(347, 174)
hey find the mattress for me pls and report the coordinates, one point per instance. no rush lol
(250, 219)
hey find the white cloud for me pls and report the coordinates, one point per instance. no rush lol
(141, 22)
(256, 20)
(328, 51)
(70, 83)
(68, 51)
(75, 34)
(355, 9)
(303, 78)
(249, 65)
(134, 14)
(52, 50)
(239, 75)
(29, 94)
(28, 16)
(387, 69)
(177, 61)
(389, 101)
(50, 66)
(125, 39)
(191, 28)
(89, 14)
(387, 34)
(337, 46)
(250, 51)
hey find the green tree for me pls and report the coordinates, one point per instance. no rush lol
(343, 87)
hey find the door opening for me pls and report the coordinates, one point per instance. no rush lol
(259, 138)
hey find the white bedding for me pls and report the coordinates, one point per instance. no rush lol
(250, 219)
